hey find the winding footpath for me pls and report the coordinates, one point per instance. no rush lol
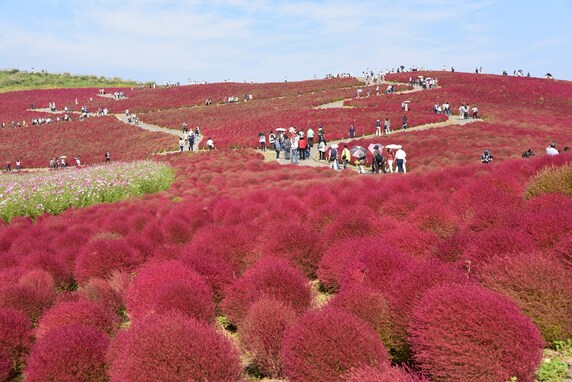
(157, 129)
(453, 120)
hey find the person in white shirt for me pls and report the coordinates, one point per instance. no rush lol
(210, 144)
(551, 150)
(310, 135)
(400, 156)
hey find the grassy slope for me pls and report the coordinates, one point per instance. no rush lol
(12, 80)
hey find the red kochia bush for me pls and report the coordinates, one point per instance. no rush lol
(383, 373)
(238, 246)
(68, 354)
(461, 333)
(85, 313)
(172, 348)
(262, 333)
(110, 293)
(368, 305)
(408, 287)
(294, 242)
(170, 285)
(32, 294)
(5, 367)
(360, 261)
(216, 270)
(15, 335)
(100, 257)
(268, 278)
(539, 285)
(323, 345)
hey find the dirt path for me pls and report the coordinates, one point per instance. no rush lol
(159, 129)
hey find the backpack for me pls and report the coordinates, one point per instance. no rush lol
(333, 155)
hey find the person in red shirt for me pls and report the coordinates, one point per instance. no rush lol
(302, 145)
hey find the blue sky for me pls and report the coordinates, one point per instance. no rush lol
(263, 40)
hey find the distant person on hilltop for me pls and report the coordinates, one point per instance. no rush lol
(107, 157)
(551, 150)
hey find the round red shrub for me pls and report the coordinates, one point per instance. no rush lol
(360, 261)
(216, 271)
(407, 288)
(100, 257)
(294, 242)
(110, 293)
(84, 313)
(547, 219)
(370, 306)
(383, 373)
(499, 241)
(376, 266)
(353, 221)
(325, 344)
(435, 218)
(30, 297)
(69, 353)
(262, 332)
(170, 285)
(539, 285)
(15, 335)
(172, 348)
(562, 252)
(413, 241)
(268, 278)
(238, 246)
(5, 368)
(461, 333)
(52, 263)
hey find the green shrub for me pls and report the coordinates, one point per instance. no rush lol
(551, 179)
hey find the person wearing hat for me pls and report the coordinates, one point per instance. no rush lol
(551, 150)
(487, 157)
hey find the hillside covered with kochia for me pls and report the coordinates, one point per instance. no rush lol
(246, 269)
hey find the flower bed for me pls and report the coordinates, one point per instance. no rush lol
(35, 194)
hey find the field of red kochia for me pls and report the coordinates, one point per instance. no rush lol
(447, 273)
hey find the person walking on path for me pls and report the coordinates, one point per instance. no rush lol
(386, 127)
(272, 139)
(181, 143)
(107, 156)
(346, 156)
(262, 141)
(400, 156)
(294, 157)
(378, 128)
(390, 160)
(322, 150)
(404, 123)
(352, 131)
(310, 135)
(191, 141)
(302, 146)
(277, 148)
(334, 163)
(287, 146)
